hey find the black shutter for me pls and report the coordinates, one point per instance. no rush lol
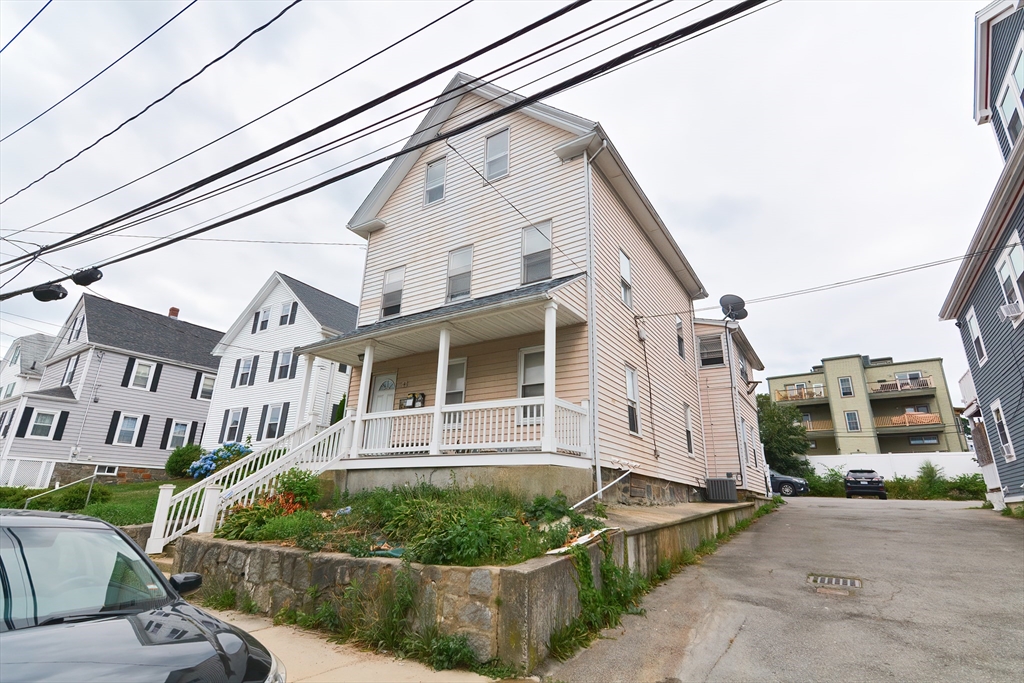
(240, 436)
(284, 421)
(142, 431)
(10, 421)
(156, 376)
(197, 384)
(192, 432)
(115, 419)
(26, 418)
(128, 372)
(273, 367)
(252, 372)
(167, 433)
(234, 377)
(295, 308)
(295, 364)
(263, 421)
(62, 422)
(224, 424)
(255, 322)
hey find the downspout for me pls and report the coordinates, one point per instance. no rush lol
(735, 408)
(88, 404)
(595, 443)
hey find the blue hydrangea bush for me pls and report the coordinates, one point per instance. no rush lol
(218, 459)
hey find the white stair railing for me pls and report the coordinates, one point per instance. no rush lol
(182, 512)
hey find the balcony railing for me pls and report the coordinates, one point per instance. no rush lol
(908, 420)
(904, 385)
(800, 393)
(817, 425)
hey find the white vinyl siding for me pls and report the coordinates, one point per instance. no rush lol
(460, 273)
(433, 190)
(496, 156)
(536, 252)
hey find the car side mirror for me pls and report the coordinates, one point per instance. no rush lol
(186, 583)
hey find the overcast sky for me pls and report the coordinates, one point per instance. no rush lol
(809, 143)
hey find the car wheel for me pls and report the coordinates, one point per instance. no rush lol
(882, 496)
(849, 495)
(787, 489)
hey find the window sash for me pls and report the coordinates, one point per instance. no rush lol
(286, 313)
(433, 188)
(179, 432)
(42, 425)
(537, 252)
(143, 371)
(127, 429)
(391, 299)
(632, 402)
(979, 343)
(846, 387)
(69, 372)
(924, 440)
(264, 319)
(460, 273)
(243, 374)
(284, 367)
(273, 423)
(455, 383)
(207, 389)
(232, 431)
(852, 421)
(496, 155)
(16, 355)
(711, 351)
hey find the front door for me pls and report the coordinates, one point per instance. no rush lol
(382, 399)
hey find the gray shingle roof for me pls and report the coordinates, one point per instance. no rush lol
(330, 311)
(56, 392)
(34, 348)
(149, 334)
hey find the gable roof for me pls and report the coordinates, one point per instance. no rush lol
(331, 312)
(591, 138)
(34, 348)
(120, 326)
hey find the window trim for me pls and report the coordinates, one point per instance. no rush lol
(923, 439)
(680, 338)
(120, 428)
(842, 394)
(1010, 84)
(242, 372)
(444, 181)
(465, 369)
(449, 297)
(135, 373)
(227, 430)
(283, 370)
(522, 251)
(521, 418)
(976, 341)
(700, 351)
(105, 473)
(688, 423)
(632, 381)
(997, 405)
(9, 391)
(286, 313)
(202, 384)
(264, 323)
(170, 434)
(508, 154)
(277, 425)
(383, 293)
(70, 369)
(625, 279)
(856, 415)
(77, 329)
(1004, 258)
(54, 415)
(16, 355)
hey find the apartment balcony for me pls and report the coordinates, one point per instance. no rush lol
(802, 395)
(817, 426)
(908, 422)
(924, 386)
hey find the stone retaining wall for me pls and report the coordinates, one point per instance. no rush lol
(139, 533)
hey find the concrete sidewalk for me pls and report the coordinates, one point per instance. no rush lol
(310, 658)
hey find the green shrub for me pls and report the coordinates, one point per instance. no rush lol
(902, 488)
(298, 525)
(72, 498)
(181, 458)
(14, 496)
(305, 486)
(930, 481)
(831, 485)
(967, 487)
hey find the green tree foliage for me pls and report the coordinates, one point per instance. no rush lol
(784, 437)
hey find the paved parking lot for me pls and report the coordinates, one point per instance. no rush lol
(942, 600)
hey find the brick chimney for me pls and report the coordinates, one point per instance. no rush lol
(173, 313)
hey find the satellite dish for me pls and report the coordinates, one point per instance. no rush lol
(733, 307)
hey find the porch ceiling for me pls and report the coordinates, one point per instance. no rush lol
(500, 321)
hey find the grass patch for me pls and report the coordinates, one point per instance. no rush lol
(1015, 512)
(119, 504)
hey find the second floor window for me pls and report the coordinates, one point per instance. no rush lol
(537, 253)
(852, 421)
(845, 386)
(680, 343)
(711, 352)
(496, 163)
(975, 332)
(625, 279)
(434, 189)
(143, 371)
(460, 273)
(391, 299)
(284, 365)
(206, 391)
(69, 371)
(244, 371)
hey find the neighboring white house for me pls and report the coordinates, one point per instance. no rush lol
(258, 392)
(22, 368)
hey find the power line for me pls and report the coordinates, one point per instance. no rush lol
(215, 239)
(60, 101)
(249, 123)
(380, 125)
(26, 25)
(157, 101)
(583, 77)
(335, 121)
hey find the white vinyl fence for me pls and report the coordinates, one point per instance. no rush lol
(903, 464)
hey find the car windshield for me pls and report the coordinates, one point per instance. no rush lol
(52, 572)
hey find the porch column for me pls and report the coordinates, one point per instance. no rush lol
(365, 379)
(440, 389)
(303, 398)
(547, 442)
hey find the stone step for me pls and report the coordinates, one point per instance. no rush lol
(163, 562)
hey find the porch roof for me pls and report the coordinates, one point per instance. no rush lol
(471, 321)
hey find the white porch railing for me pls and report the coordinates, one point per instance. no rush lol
(397, 431)
(490, 425)
(181, 513)
(571, 427)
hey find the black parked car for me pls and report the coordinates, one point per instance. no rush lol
(788, 486)
(865, 483)
(81, 602)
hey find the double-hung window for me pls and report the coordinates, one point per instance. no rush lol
(711, 352)
(76, 332)
(625, 280)
(284, 366)
(127, 429)
(689, 428)
(680, 343)
(537, 252)
(531, 380)
(274, 426)
(1009, 98)
(142, 376)
(846, 387)
(206, 390)
(455, 390)
(975, 332)
(286, 313)
(433, 190)
(232, 432)
(1004, 435)
(16, 355)
(42, 426)
(244, 371)
(178, 435)
(460, 273)
(744, 373)
(391, 299)
(852, 421)
(10, 390)
(632, 400)
(1010, 271)
(69, 371)
(743, 441)
(496, 156)
(264, 319)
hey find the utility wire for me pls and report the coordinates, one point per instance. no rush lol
(249, 123)
(61, 101)
(156, 101)
(585, 76)
(380, 125)
(26, 25)
(339, 119)
(217, 239)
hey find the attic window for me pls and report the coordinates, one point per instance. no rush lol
(496, 162)
(434, 188)
(286, 313)
(264, 319)
(16, 355)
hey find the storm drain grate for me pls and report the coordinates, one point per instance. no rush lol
(834, 581)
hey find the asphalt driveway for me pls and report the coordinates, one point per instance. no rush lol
(942, 599)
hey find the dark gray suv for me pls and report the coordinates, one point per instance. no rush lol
(865, 483)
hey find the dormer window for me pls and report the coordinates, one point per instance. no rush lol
(78, 327)
(69, 371)
(1010, 98)
(434, 189)
(391, 299)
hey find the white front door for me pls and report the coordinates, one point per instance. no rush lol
(382, 399)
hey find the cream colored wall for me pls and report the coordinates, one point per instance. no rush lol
(865, 440)
(779, 383)
(473, 213)
(950, 438)
(673, 379)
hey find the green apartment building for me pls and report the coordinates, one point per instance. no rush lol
(857, 404)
